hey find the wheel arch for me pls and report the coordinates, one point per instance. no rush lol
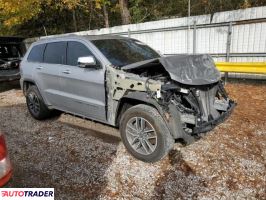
(133, 99)
(26, 84)
(170, 117)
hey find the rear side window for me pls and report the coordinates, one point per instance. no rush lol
(36, 53)
(76, 50)
(55, 53)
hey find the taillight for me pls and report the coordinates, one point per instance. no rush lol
(5, 165)
(3, 150)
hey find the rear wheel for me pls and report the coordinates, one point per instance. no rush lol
(145, 134)
(36, 105)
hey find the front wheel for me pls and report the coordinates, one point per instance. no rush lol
(145, 134)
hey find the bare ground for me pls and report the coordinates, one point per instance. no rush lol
(86, 160)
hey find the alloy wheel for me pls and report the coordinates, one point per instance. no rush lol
(141, 135)
(34, 103)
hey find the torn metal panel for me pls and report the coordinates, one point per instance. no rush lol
(188, 118)
(119, 83)
(122, 81)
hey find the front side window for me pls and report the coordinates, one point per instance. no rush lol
(36, 53)
(55, 53)
(121, 52)
(76, 50)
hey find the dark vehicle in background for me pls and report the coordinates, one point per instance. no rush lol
(12, 50)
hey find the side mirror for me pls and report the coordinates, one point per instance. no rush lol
(86, 62)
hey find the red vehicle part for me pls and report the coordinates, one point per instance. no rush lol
(5, 165)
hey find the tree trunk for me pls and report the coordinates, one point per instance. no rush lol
(74, 20)
(106, 16)
(126, 18)
(90, 18)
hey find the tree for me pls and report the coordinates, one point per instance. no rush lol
(29, 18)
(125, 14)
(15, 12)
(106, 16)
(103, 5)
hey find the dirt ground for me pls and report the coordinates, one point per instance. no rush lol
(86, 160)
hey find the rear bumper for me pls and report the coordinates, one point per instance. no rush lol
(207, 126)
(5, 171)
(5, 179)
(9, 75)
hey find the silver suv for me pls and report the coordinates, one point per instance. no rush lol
(154, 100)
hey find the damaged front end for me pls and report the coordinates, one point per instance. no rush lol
(11, 51)
(201, 108)
(9, 70)
(185, 89)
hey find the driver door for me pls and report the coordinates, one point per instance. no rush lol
(83, 88)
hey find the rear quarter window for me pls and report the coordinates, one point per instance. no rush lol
(36, 53)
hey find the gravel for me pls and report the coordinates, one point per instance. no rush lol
(82, 159)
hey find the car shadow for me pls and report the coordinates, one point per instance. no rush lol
(55, 153)
(74, 156)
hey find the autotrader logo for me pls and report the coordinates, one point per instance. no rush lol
(27, 193)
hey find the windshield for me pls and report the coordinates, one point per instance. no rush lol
(9, 51)
(121, 52)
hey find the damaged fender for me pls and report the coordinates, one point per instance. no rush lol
(185, 89)
(123, 87)
(120, 84)
(170, 116)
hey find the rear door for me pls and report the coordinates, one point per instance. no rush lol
(83, 88)
(48, 72)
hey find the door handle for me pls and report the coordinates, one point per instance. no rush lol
(39, 68)
(66, 72)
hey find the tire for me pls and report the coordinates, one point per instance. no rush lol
(36, 105)
(145, 134)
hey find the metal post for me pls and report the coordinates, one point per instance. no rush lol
(188, 26)
(194, 38)
(228, 46)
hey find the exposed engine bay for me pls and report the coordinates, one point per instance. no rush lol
(187, 88)
(11, 51)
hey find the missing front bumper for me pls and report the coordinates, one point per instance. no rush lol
(207, 126)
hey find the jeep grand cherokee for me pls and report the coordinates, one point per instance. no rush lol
(154, 100)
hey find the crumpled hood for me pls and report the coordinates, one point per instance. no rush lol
(191, 69)
(186, 69)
